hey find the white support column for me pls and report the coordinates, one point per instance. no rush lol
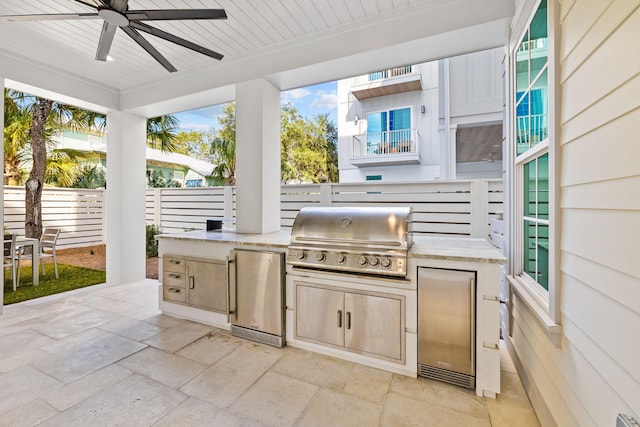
(257, 157)
(126, 164)
(2, 170)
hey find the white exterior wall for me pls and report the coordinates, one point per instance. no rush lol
(593, 372)
(475, 97)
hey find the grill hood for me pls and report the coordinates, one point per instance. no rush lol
(371, 227)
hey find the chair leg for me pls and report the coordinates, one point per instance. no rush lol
(15, 273)
(55, 263)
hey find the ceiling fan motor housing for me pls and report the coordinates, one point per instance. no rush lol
(113, 17)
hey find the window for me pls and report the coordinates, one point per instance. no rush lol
(178, 175)
(389, 131)
(532, 148)
(373, 178)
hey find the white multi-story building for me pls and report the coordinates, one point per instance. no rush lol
(435, 120)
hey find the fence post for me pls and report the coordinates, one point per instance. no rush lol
(228, 201)
(157, 207)
(325, 195)
(479, 209)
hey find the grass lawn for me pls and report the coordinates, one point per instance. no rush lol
(70, 277)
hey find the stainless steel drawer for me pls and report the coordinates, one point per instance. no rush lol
(174, 294)
(174, 264)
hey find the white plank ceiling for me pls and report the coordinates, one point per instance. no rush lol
(265, 29)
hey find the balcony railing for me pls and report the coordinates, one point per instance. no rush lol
(532, 129)
(394, 72)
(385, 143)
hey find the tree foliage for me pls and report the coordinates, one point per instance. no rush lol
(308, 148)
(223, 147)
(90, 176)
(31, 122)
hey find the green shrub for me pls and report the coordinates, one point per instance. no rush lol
(152, 243)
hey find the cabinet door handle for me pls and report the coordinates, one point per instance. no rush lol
(348, 320)
(339, 318)
(174, 275)
(231, 287)
(192, 282)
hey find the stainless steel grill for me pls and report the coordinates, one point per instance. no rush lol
(359, 240)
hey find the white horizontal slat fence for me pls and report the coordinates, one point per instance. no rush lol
(461, 208)
(78, 213)
(182, 209)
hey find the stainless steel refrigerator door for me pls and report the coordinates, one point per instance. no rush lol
(446, 319)
(257, 290)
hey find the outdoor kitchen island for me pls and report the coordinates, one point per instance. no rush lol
(396, 298)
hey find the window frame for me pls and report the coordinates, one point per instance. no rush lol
(545, 303)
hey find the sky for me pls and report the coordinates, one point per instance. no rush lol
(309, 101)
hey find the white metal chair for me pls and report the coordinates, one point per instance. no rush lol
(47, 243)
(10, 257)
(48, 247)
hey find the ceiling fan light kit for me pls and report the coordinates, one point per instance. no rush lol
(116, 14)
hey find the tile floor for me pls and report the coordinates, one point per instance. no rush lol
(106, 356)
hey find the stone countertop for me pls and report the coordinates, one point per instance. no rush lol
(277, 239)
(452, 248)
(456, 248)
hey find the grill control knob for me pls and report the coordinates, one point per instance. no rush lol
(363, 260)
(300, 255)
(340, 258)
(373, 261)
(385, 262)
(320, 257)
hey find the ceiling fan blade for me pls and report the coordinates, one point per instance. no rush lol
(92, 3)
(175, 14)
(119, 5)
(149, 48)
(49, 17)
(175, 39)
(106, 38)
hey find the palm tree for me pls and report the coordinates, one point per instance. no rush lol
(62, 167)
(90, 176)
(224, 152)
(161, 133)
(223, 148)
(16, 139)
(31, 121)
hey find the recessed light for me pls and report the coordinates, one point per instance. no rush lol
(110, 58)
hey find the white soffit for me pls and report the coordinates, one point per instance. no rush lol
(261, 38)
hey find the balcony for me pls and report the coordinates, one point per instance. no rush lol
(399, 147)
(387, 82)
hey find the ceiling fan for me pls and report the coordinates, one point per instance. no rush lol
(116, 14)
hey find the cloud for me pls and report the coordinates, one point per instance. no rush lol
(296, 93)
(194, 126)
(324, 100)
